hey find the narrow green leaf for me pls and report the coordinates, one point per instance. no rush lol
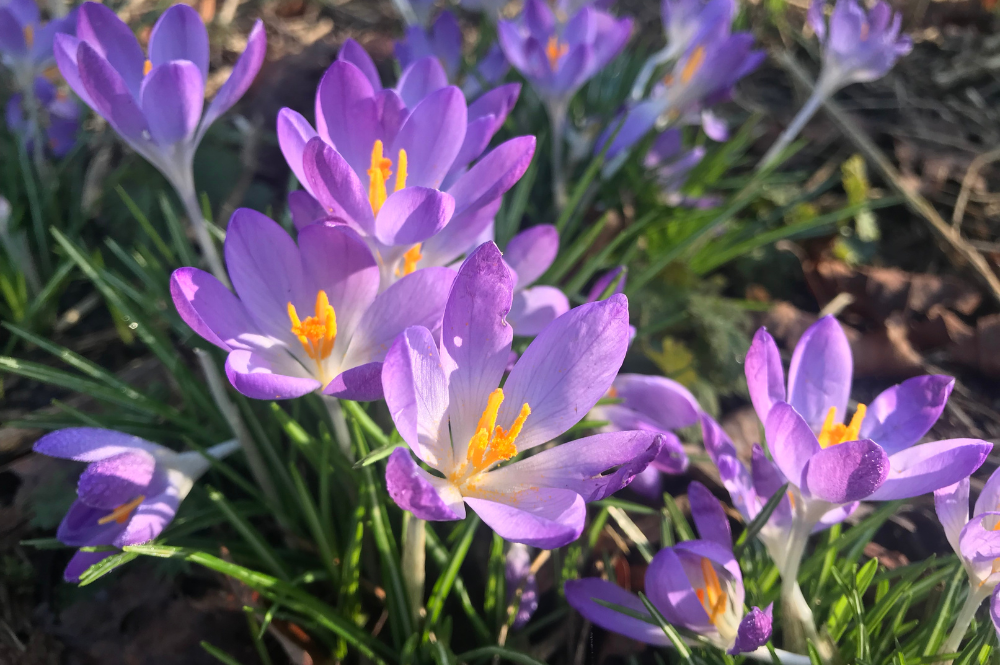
(675, 639)
(219, 654)
(440, 556)
(140, 217)
(377, 455)
(680, 524)
(255, 634)
(250, 534)
(443, 585)
(759, 521)
(328, 550)
(483, 653)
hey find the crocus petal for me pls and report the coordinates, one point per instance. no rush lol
(716, 441)
(664, 401)
(304, 209)
(11, 34)
(791, 441)
(359, 384)
(256, 377)
(543, 517)
(496, 103)
(415, 490)
(819, 376)
(904, 413)
(765, 378)
(420, 79)
(109, 94)
(210, 309)
(90, 444)
(583, 595)
(65, 49)
(573, 70)
(81, 527)
(989, 498)
(330, 178)
(114, 41)
(671, 459)
(566, 370)
(150, 518)
(930, 466)
(465, 230)
(412, 215)
(951, 504)
(494, 174)
(172, 98)
(113, 481)
(416, 392)
(432, 135)
(294, 133)
(670, 590)
(979, 542)
(354, 53)
(417, 299)
(531, 252)
(846, 472)
(579, 465)
(81, 562)
(539, 19)
(476, 340)
(995, 609)
(244, 72)
(179, 34)
(816, 19)
(535, 308)
(754, 630)
(709, 516)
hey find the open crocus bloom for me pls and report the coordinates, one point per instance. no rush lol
(860, 45)
(154, 101)
(306, 317)
(558, 52)
(683, 20)
(871, 457)
(25, 42)
(652, 404)
(382, 160)
(443, 40)
(129, 492)
(696, 584)
(446, 405)
(529, 254)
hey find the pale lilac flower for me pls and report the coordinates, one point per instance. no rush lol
(517, 573)
(529, 254)
(304, 317)
(671, 165)
(25, 42)
(443, 40)
(129, 492)
(444, 400)
(696, 584)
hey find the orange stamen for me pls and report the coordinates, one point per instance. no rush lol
(693, 64)
(29, 35)
(318, 333)
(410, 260)
(555, 51)
(147, 67)
(122, 513)
(378, 176)
(833, 432)
(712, 597)
(491, 444)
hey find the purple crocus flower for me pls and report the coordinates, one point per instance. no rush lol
(671, 165)
(154, 101)
(446, 405)
(489, 71)
(517, 573)
(696, 584)
(306, 317)
(560, 51)
(443, 40)
(859, 46)
(685, 20)
(129, 492)
(25, 42)
(652, 404)
(60, 117)
(529, 254)
(398, 174)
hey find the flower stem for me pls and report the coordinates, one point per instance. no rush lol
(189, 198)
(819, 95)
(340, 430)
(414, 571)
(965, 616)
(798, 624)
(557, 118)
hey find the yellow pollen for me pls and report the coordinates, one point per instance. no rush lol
(147, 67)
(122, 513)
(555, 51)
(410, 261)
(378, 176)
(693, 64)
(712, 598)
(318, 333)
(401, 170)
(491, 444)
(29, 35)
(833, 433)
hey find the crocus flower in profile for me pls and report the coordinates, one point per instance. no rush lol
(976, 541)
(26, 42)
(652, 404)
(443, 40)
(529, 254)
(59, 118)
(671, 165)
(558, 52)
(393, 163)
(696, 584)
(518, 575)
(129, 492)
(446, 405)
(307, 317)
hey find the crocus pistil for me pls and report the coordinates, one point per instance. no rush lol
(715, 600)
(555, 51)
(122, 513)
(833, 432)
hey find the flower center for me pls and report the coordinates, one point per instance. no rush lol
(491, 444)
(147, 67)
(693, 64)
(122, 513)
(555, 51)
(410, 260)
(378, 176)
(316, 333)
(712, 597)
(29, 35)
(834, 432)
